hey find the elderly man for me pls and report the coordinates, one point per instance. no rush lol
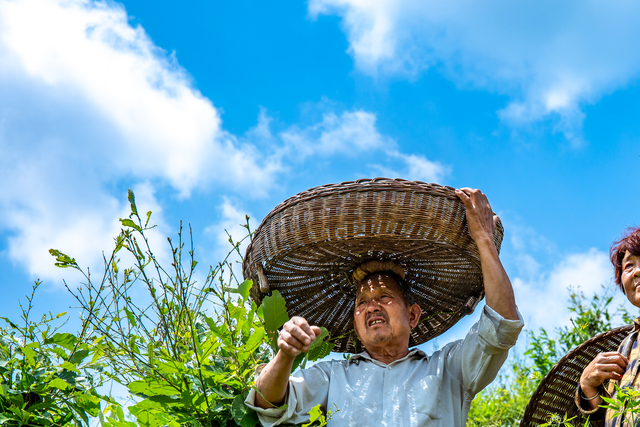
(389, 384)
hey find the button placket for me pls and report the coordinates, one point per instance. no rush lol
(387, 385)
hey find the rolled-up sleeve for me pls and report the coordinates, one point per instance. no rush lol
(478, 358)
(307, 388)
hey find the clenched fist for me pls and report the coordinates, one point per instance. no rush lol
(296, 336)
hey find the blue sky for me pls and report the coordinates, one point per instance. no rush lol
(214, 110)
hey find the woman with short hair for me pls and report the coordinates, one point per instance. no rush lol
(620, 367)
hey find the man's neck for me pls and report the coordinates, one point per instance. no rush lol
(387, 355)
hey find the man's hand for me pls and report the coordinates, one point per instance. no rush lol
(296, 336)
(606, 366)
(481, 223)
(480, 218)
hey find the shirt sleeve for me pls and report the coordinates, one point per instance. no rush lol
(476, 360)
(596, 416)
(307, 388)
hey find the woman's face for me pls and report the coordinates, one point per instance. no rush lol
(630, 278)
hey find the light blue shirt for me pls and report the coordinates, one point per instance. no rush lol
(417, 390)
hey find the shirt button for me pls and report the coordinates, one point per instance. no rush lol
(388, 414)
(388, 393)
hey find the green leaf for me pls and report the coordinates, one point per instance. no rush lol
(238, 409)
(250, 419)
(275, 311)
(62, 260)
(152, 387)
(132, 202)
(29, 355)
(320, 351)
(254, 340)
(316, 414)
(69, 367)
(63, 339)
(319, 348)
(89, 403)
(132, 319)
(244, 289)
(13, 325)
(222, 392)
(79, 356)
(59, 384)
(128, 223)
(60, 352)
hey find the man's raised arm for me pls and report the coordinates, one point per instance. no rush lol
(295, 338)
(481, 222)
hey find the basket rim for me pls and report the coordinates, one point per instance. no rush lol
(552, 376)
(435, 231)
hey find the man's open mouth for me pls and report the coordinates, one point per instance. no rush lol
(373, 322)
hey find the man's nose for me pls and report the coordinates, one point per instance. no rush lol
(373, 305)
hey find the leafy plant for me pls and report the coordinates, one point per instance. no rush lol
(557, 421)
(186, 350)
(504, 402)
(48, 378)
(317, 418)
(625, 403)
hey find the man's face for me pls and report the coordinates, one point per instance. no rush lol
(630, 278)
(381, 317)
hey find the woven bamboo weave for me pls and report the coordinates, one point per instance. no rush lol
(556, 392)
(308, 246)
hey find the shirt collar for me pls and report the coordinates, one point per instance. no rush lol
(356, 358)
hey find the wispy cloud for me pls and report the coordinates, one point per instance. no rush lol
(90, 105)
(550, 58)
(352, 135)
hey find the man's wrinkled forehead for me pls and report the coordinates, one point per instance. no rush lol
(373, 281)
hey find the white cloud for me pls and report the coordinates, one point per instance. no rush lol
(351, 134)
(543, 298)
(90, 104)
(84, 55)
(89, 101)
(416, 168)
(550, 58)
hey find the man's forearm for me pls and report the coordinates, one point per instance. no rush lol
(497, 286)
(274, 381)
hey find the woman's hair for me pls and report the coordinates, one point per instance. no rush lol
(630, 241)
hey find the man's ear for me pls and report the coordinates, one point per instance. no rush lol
(414, 315)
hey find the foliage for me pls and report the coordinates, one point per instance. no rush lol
(504, 402)
(591, 318)
(317, 417)
(626, 402)
(557, 421)
(48, 378)
(186, 351)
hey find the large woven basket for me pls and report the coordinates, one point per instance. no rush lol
(556, 392)
(308, 246)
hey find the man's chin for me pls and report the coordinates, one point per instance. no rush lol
(378, 337)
